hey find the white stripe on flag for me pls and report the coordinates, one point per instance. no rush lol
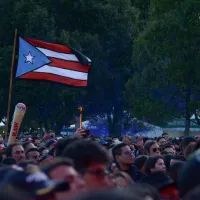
(54, 54)
(88, 60)
(63, 72)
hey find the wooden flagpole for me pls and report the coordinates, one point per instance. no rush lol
(81, 116)
(11, 85)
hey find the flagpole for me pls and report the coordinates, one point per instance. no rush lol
(81, 116)
(11, 85)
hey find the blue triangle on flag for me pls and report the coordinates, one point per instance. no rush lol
(29, 58)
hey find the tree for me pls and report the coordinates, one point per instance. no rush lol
(102, 30)
(167, 61)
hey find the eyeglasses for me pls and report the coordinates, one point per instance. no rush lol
(155, 149)
(129, 153)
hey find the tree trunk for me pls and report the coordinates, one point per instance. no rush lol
(110, 125)
(187, 118)
(114, 126)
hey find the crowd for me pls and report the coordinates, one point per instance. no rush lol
(85, 167)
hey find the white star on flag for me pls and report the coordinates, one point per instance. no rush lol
(29, 58)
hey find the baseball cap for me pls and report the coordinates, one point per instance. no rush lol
(36, 183)
(189, 176)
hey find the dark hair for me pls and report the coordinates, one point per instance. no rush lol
(159, 138)
(41, 149)
(175, 169)
(35, 138)
(10, 147)
(186, 141)
(167, 158)
(62, 143)
(165, 146)
(150, 163)
(117, 150)
(25, 144)
(145, 139)
(189, 150)
(125, 176)
(56, 163)
(148, 145)
(32, 149)
(165, 134)
(197, 145)
(178, 157)
(85, 152)
(142, 190)
(140, 161)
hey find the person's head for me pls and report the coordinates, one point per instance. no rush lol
(140, 162)
(36, 141)
(166, 136)
(43, 151)
(197, 145)
(175, 169)
(137, 140)
(127, 140)
(28, 145)
(167, 160)
(186, 141)
(122, 154)
(177, 158)
(168, 148)
(161, 141)
(189, 150)
(122, 180)
(189, 177)
(90, 159)
(144, 191)
(33, 155)
(155, 164)
(35, 183)
(15, 151)
(62, 144)
(62, 170)
(146, 139)
(151, 148)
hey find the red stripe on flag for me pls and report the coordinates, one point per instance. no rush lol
(55, 78)
(68, 65)
(54, 47)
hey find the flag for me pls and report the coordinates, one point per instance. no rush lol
(38, 60)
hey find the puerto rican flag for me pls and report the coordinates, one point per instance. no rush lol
(38, 60)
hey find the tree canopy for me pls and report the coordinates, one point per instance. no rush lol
(145, 59)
